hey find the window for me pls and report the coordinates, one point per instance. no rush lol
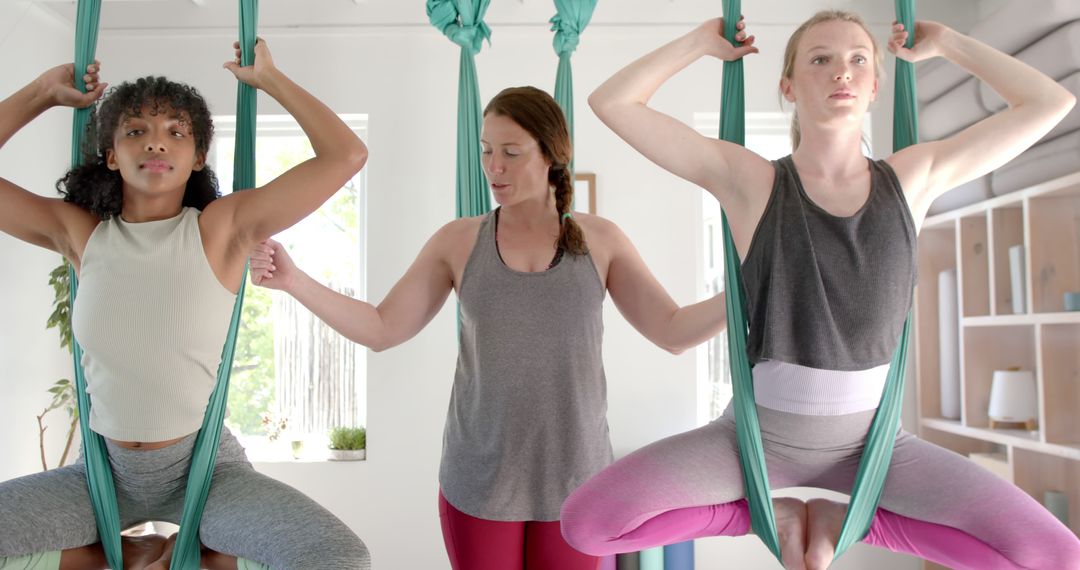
(767, 134)
(289, 364)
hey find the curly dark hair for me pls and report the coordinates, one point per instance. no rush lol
(100, 190)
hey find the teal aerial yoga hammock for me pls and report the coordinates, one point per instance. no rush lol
(463, 22)
(569, 21)
(187, 551)
(874, 465)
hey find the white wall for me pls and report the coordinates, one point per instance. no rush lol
(31, 39)
(390, 499)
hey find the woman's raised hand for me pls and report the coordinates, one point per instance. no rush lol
(928, 37)
(254, 75)
(58, 85)
(711, 36)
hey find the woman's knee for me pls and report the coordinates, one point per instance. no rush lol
(344, 552)
(585, 526)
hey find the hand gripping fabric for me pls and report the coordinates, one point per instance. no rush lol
(98, 472)
(874, 464)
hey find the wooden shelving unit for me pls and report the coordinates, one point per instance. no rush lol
(975, 241)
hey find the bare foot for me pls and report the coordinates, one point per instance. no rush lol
(825, 519)
(141, 551)
(791, 528)
(165, 557)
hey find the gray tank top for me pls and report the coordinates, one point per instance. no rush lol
(527, 421)
(826, 291)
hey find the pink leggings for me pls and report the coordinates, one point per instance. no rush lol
(479, 544)
(936, 504)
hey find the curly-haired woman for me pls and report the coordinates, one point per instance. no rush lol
(161, 256)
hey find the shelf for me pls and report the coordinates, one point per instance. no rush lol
(1068, 185)
(986, 350)
(992, 332)
(1054, 251)
(1014, 437)
(1065, 318)
(1007, 230)
(1038, 473)
(974, 274)
(1061, 378)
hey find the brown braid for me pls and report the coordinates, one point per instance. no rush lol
(571, 238)
(539, 114)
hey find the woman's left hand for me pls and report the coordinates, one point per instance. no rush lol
(254, 75)
(927, 44)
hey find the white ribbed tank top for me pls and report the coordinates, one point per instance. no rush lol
(152, 318)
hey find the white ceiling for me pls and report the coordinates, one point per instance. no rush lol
(206, 15)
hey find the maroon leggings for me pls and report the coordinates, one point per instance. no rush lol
(480, 544)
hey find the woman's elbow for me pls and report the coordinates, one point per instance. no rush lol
(1068, 101)
(673, 348)
(357, 156)
(599, 104)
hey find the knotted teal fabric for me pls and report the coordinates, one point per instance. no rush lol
(568, 23)
(463, 22)
(187, 550)
(874, 463)
(99, 479)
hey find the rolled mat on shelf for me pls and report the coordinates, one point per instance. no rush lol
(949, 343)
(964, 195)
(1013, 27)
(1039, 163)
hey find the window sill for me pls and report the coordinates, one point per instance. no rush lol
(260, 450)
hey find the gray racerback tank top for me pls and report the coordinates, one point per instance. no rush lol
(527, 421)
(827, 291)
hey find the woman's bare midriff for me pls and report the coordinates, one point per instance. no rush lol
(145, 445)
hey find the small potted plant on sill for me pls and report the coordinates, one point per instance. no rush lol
(348, 443)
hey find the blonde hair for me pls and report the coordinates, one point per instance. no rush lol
(793, 46)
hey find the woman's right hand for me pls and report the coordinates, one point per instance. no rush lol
(710, 34)
(58, 85)
(271, 266)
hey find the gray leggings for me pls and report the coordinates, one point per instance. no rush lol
(247, 514)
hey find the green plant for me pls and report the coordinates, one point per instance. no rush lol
(63, 391)
(348, 438)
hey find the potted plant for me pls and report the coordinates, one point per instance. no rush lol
(63, 391)
(348, 443)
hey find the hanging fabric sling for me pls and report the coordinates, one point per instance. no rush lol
(463, 22)
(99, 479)
(874, 465)
(568, 23)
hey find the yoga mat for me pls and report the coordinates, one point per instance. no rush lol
(964, 195)
(628, 561)
(679, 556)
(1015, 26)
(1016, 278)
(1042, 162)
(949, 339)
(951, 113)
(652, 559)
(1057, 55)
(608, 563)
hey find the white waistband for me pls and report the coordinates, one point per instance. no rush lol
(815, 392)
